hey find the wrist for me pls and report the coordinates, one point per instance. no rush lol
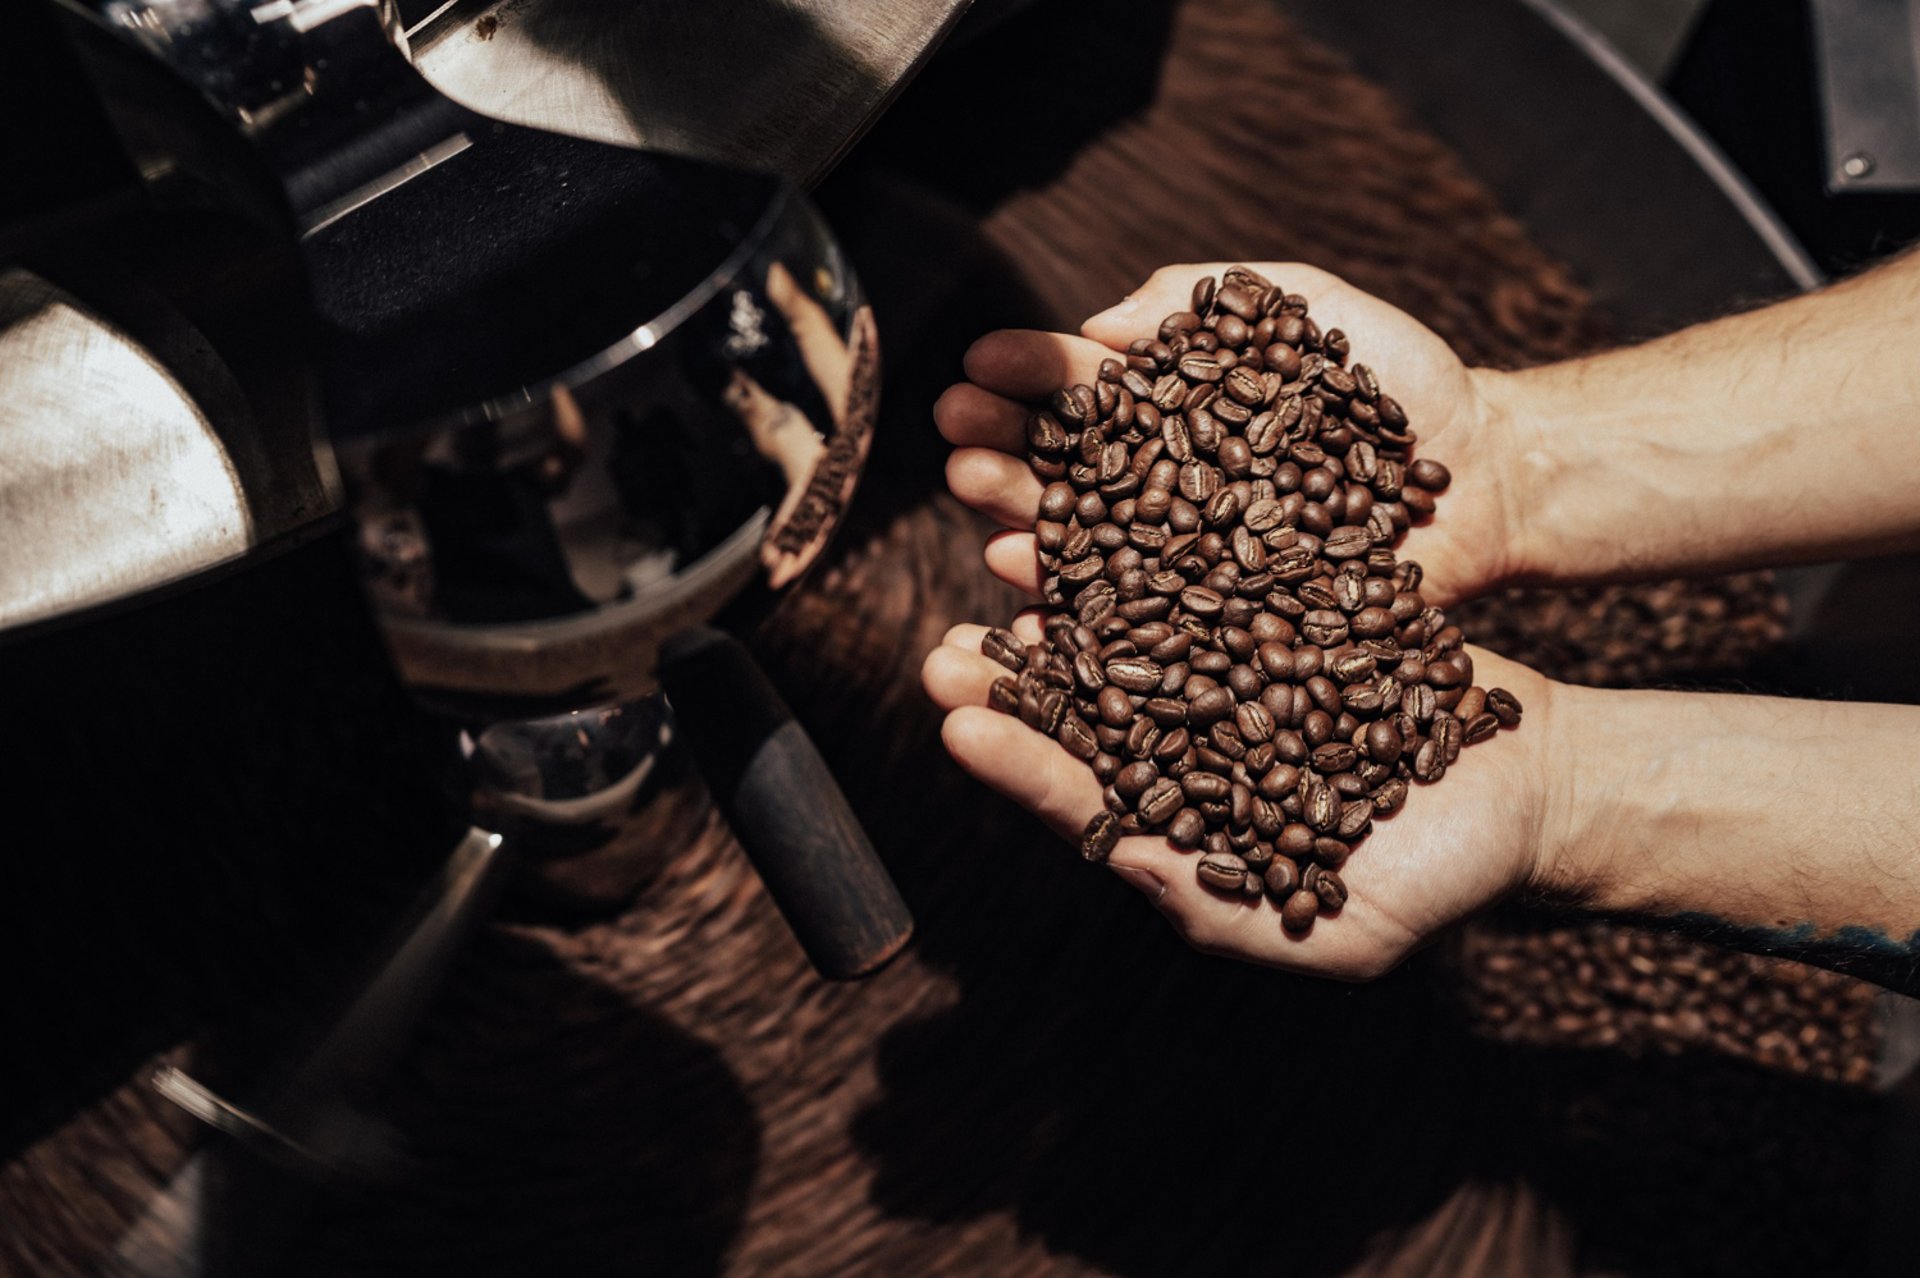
(1574, 864)
(1533, 468)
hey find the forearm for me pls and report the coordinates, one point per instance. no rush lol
(1779, 826)
(1783, 435)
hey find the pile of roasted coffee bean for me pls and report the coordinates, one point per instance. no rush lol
(1232, 646)
(1623, 636)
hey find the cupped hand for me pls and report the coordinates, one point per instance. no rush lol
(1465, 548)
(1476, 835)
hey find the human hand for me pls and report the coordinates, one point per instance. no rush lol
(1466, 548)
(1483, 831)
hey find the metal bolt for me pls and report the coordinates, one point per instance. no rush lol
(1857, 165)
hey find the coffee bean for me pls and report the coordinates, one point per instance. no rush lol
(1280, 878)
(1347, 541)
(1101, 836)
(1229, 490)
(1222, 871)
(1116, 708)
(1427, 762)
(1299, 911)
(1204, 787)
(1045, 434)
(1383, 742)
(1135, 674)
(1331, 889)
(1005, 647)
(1186, 829)
(1430, 475)
(1077, 737)
(1160, 802)
(1203, 297)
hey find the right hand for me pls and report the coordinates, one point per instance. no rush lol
(1467, 548)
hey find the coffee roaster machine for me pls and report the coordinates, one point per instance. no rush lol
(529, 296)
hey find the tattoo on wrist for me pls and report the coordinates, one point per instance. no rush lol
(1866, 952)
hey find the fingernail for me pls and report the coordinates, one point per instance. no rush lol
(1120, 310)
(1149, 884)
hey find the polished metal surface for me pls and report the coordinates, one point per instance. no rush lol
(785, 85)
(1867, 76)
(528, 554)
(112, 480)
(1605, 172)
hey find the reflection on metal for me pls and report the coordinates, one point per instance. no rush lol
(112, 481)
(228, 1209)
(1605, 172)
(1867, 74)
(786, 85)
(532, 557)
(332, 211)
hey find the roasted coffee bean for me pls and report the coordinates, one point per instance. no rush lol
(1160, 801)
(1299, 911)
(1136, 779)
(1005, 647)
(1045, 434)
(1053, 711)
(1229, 490)
(1204, 787)
(1331, 889)
(1077, 737)
(1135, 674)
(1087, 672)
(1280, 878)
(1430, 475)
(1100, 837)
(1222, 871)
(1334, 756)
(1186, 829)
(1383, 742)
(1427, 762)
(1004, 696)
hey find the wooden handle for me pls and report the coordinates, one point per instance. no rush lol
(784, 806)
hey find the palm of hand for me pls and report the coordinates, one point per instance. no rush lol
(1472, 838)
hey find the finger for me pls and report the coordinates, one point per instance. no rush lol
(998, 486)
(1170, 289)
(955, 677)
(1028, 624)
(1026, 767)
(826, 356)
(969, 417)
(1011, 556)
(1030, 365)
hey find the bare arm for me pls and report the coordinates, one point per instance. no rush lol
(1789, 434)
(1776, 826)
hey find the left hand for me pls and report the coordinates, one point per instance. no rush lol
(1478, 834)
